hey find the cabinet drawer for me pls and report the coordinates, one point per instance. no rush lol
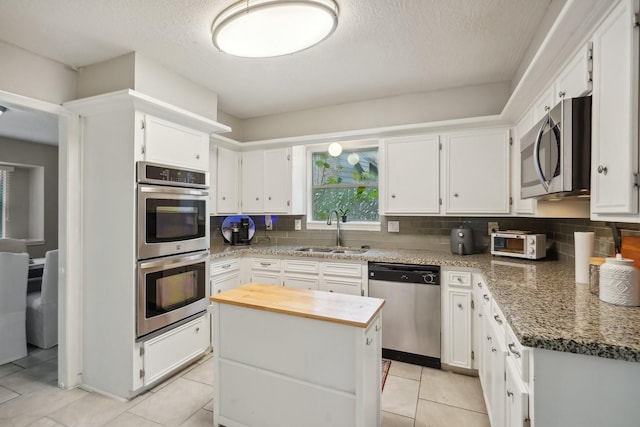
(300, 281)
(460, 279)
(295, 266)
(224, 266)
(518, 353)
(351, 287)
(341, 269)
(271, 264)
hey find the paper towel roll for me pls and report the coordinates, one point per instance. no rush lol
(583, 242)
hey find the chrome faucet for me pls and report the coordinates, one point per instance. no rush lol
(338, 243)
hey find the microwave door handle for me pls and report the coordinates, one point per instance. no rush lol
(536, 156)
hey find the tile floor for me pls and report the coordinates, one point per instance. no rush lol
(413, 397)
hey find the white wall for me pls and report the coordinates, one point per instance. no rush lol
(471, 101)
(234, 122)
(30, 75)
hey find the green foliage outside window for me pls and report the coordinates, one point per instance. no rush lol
(347, 183)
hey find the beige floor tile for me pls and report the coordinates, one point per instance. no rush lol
(6, 394)
(201, 418)
(131, 420)
(175, 403)
(405, 370)
(25, 409)
(452, 389)
(400, 396)
(393, 420)
(8, 369)
(37, 356)
(32, 379)
(46, 422)
(202, 372)
(209, 406)
(93, 410)
(432, 414)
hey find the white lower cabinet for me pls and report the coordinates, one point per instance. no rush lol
(300, 274)
(225, 275)
(165, 353)
(516, 397)
(266, 270)
(456, 319)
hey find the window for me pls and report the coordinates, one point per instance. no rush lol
(347, 183)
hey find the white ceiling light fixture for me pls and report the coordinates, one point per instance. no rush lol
(335, 149)
(266, 28)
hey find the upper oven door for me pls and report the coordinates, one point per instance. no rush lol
(171, 220)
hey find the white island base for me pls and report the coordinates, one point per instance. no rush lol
(291, 357)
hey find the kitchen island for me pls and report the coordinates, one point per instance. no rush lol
(287, 356)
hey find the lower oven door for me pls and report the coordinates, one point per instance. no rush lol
(171, 289)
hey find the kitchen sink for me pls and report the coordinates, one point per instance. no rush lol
(333, 251)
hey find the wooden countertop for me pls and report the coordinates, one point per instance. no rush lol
(328, 306)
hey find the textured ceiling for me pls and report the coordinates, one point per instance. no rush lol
(380, 48)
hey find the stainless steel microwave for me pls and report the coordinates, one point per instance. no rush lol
(555, 154)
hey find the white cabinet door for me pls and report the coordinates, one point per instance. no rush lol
(253, 181)
(477, 171)
(227, 181)
(372, 373)
(615, 114)
(497, 361)
(516, 398)
(341, 285)
(575, 79)
(411, 175)
(224, 282)
(301, 281)
(277, 180)
(169, 143)
(460, 329)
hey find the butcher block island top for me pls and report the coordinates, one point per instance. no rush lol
(328, 306)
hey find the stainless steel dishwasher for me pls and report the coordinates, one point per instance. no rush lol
(411, 313)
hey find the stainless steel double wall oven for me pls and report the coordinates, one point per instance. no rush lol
(172, 246)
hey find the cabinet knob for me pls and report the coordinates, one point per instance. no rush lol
(459, 305)
(378, 327)
(224, 198)
(257, 198)
(197, 330)
(486, 297)
(509, 393)
(393, 196)
(602, 169)
(561, 94)
(269, 197)
(455, 194)
(479, 284)
(498, 319)
(547, 108)
(512, 349)
(198, 156)
(369, 341)
(493, 350)
(488, 337)
(459, 279)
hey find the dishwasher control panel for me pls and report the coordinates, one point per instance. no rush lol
(411, 273)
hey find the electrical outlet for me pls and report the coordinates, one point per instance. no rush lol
(267, 222)
(393, 226)
(298, 224)
(492, 227)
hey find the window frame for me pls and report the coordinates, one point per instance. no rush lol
(349, 225)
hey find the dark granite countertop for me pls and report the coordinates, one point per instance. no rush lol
(540, 299)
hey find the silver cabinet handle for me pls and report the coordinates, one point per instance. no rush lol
(378, 327)
(602, 169)
(512, 349)
(459, 279)
(269, 197)
(486, 297)
(561, 94)
(498, 319)
(547, 108)
(257, 198)
(265, 264)
(393, 196)
(369, 341)
(226, 266)
(224, 198)
(479, 284)
(488, 337)
(509, 393)
(459, 305)
(493, 350)
(455, 194)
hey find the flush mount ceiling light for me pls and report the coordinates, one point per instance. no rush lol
(265, 28)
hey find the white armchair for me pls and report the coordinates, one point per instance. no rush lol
(42, 307)
(14, 269)
(13, 245)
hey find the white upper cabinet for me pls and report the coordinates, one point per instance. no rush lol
(227, 185)
(615, 116)
(273, 181)
(575, 79)
(411, 175)
(168, 143)
(543, 104)
(476, 171)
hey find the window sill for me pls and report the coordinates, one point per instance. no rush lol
(355, 225)
(35, 242)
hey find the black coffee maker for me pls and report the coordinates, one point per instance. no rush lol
(243, 232)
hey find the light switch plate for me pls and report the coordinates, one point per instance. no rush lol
(393, 226)
(298, 224)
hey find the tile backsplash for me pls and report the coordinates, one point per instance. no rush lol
(432, 233)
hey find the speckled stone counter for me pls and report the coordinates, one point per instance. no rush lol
(540, 299)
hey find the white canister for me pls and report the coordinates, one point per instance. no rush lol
(619, 282)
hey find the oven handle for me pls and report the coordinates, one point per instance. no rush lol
(157, 189)
(173, 261)
(536, 153)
